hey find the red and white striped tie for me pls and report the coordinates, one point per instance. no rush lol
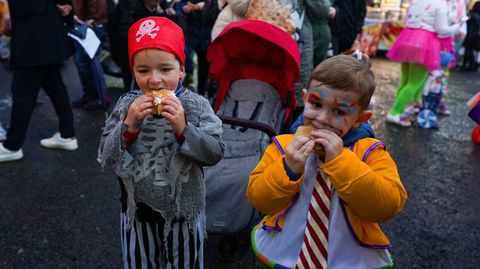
(314, 253)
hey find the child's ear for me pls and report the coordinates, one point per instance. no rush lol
(362, 117)
(182, 72)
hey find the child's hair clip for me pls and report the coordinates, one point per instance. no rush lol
(359, 55)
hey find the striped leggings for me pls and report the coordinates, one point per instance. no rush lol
(151, 244)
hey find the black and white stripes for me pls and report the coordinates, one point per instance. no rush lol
(152, 244)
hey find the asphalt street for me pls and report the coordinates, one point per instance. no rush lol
(60, 210)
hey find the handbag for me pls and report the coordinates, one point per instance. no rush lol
(273, 12)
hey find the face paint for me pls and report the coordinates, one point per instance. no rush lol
(331, 109)
(326, 94)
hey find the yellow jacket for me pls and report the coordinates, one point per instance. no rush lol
(370, 190)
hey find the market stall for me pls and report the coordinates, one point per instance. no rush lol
(383, 23)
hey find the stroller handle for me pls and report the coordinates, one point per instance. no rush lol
(249, 124)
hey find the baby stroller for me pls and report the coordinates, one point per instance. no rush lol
(255, 66)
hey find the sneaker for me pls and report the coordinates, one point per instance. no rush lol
(443, 109)
(7, 155)
(401, 119)
(57, 142)
(413, 109)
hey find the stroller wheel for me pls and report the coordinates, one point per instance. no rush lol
(233, 247)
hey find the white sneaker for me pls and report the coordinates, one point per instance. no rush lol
(9, 155)
(413, 109)
(401, 119)
(57, 142)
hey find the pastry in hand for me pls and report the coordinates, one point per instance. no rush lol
(305, 130)
(158, 96)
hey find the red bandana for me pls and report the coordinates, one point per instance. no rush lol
(157, 33)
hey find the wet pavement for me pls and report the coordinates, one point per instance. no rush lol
(59, 210)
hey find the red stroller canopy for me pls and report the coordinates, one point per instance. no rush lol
(251, 49)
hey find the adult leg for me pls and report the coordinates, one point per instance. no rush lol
(83, 63)
(335, 43)
(26, 84)
(417, 75)
(202, 74)
(403, 76)
(468, 59)
(124, 65)
(403, 81)
(189, 66)
(346, 40)
(56, 90)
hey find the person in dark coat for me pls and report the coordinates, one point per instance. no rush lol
(347, 23)
(198, 34)
(472, 40)
(38, 49)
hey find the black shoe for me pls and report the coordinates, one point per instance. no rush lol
(82, 101)
(95, 105)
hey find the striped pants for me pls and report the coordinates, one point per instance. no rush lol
(151, 244)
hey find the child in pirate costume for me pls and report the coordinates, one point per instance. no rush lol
(325, 189)
(159, 158)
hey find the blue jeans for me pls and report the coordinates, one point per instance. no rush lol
(84, 63)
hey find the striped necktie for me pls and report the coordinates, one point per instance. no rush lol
(314, 253)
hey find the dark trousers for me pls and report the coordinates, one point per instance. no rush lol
(26, 85)
(203, 66)
(342, 41)
(202, 72)
(84, 67)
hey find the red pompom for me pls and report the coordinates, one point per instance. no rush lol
(476, 135)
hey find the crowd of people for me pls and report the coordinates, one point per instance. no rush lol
(324, 188)
(201, 21)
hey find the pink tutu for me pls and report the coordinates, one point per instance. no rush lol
(446, 43)
(417, 46)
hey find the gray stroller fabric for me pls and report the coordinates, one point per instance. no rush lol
(227, 208)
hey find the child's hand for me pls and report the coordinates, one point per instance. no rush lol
(170, 11)
(297, 152)
(138, 110)
(331, 12)
(64, 9)
(332, 143)
(173, 111)
(199, 6)
(188, 8)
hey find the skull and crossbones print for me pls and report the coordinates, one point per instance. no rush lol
(147, 28)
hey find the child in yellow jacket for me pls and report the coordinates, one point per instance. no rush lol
(365, 185)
